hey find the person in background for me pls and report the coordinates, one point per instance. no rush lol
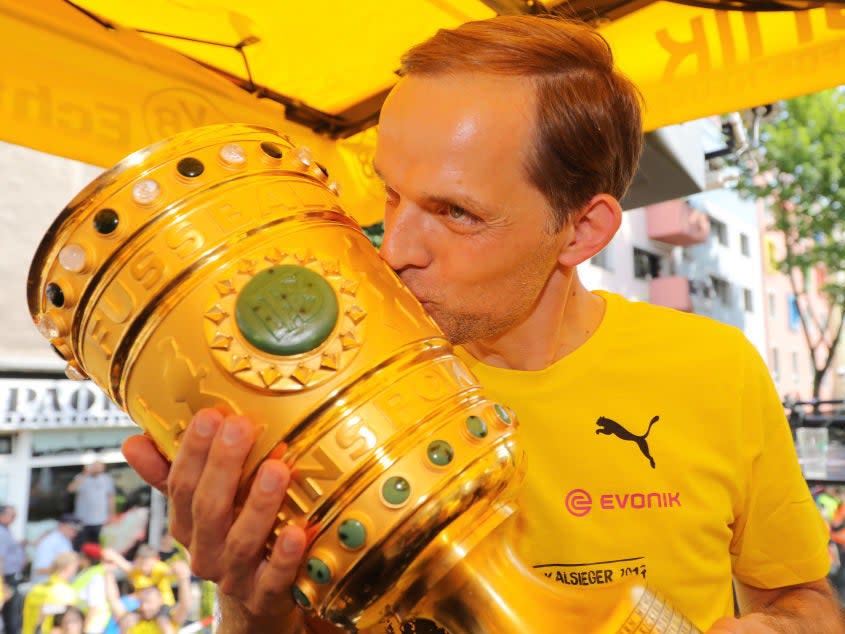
(12, 562)
(94, 502)
(90, 586)
(154, 617)
(169, 548)
(71, 621)
(57, 541)
(44, 600)
(145, 570)
(126, 622)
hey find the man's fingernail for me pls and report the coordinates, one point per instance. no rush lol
(290, 543)
(231, 433)
(204, 427)
(269, 480)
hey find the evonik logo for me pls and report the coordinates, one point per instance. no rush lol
(580, 502)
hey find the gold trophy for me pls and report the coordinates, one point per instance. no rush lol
(217, 269)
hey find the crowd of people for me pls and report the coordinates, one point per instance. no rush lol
(72, 584)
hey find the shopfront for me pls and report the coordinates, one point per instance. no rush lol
(49, 429)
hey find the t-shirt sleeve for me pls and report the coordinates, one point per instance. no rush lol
(780, 537)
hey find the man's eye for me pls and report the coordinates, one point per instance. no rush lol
(456, 213)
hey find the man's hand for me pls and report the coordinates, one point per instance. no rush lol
(109, 555)
(201, 484)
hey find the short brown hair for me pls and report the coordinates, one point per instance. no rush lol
(64, 561)
(589, 126)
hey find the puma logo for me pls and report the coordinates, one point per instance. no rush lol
(608, 427)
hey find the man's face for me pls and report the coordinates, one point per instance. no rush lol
(464, 229)
(150, 602)
(70, 530)
(145, 564)
(8, 516)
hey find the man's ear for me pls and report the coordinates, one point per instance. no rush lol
(590, 229)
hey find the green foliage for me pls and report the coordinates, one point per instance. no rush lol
(798, 171)
(375, 233)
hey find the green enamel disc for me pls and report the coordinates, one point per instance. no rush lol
(286, 310)
(300, 598)
(477, 427)
(503, 414)
(440, 453)
(396, 490)
(352, 534)
(318, 570)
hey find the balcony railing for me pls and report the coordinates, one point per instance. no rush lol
(676, 222)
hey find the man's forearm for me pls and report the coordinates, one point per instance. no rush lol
(73, 486)
(236, 619)
(801, 611)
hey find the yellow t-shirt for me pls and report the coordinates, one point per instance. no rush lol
(160, 576)
(659, 449)
(55, 592)
(150, 627)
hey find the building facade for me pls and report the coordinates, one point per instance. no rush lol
(50, 427)
(712, 255)
(699, 255)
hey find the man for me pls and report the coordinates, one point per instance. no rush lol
(94, 502)
(44, 600)
(504, 150)
(57, 541)
(12, 561)
(90, 587)
(154, 617)
(146, 569)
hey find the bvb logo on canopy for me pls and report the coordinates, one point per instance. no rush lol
(173, 110)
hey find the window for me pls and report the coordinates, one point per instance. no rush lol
(747, 300)
(722, 290)
(744, 244)
(794, 367)
(48, 494)
(794, 314)
(720, 230)
(775, 364)
(646, 265)
(771, 256)
(56, 442)
(772, 304)
(602, 259)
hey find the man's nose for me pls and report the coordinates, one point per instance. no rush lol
(405, 238)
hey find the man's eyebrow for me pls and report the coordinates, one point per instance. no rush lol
(464, 201)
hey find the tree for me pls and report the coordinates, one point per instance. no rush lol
(798, 172)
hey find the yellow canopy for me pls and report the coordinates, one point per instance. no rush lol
(77, 84)
(692, 62)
